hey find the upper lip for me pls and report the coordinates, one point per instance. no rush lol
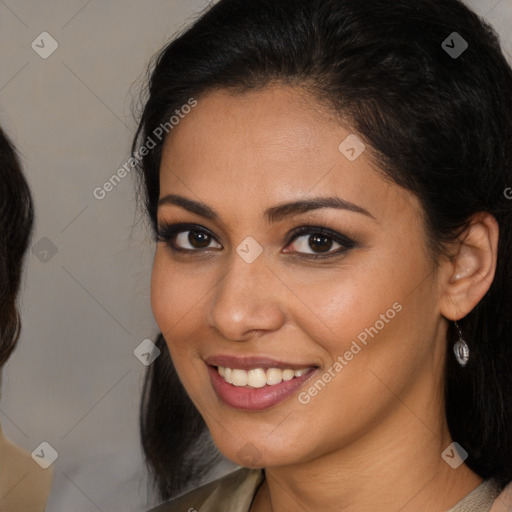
(250, 362)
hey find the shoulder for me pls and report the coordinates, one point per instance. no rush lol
(503, 503)
(236, 488)
(18, 467)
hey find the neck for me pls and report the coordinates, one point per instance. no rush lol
(396, 466)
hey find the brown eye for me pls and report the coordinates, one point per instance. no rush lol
(193, 239)
(197, 239)
(318, 242)
(185, 237)
(314, 243)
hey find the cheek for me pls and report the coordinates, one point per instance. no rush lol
(169, 294)
(334, 310)
(158, 292)
(177, 299)
(371, 315)
(171, 301)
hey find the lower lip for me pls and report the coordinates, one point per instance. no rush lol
(255, 399)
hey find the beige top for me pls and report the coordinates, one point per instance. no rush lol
(235, 492)
(24, 485)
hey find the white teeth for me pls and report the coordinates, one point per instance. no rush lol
(288, 374)
(274, 376)
(239, 378)
(258, 377)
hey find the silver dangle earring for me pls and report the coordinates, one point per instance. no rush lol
(460, 348)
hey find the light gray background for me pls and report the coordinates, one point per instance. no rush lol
(73, 380)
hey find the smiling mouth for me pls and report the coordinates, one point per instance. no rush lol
(259, 377)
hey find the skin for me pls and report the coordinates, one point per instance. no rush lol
(372, 438)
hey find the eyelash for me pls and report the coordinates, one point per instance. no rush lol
(167, 233)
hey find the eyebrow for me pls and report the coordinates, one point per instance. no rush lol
(273, 214)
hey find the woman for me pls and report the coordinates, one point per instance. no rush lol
(332, 276)
(23, 484)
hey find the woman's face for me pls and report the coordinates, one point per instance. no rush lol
(359, 327)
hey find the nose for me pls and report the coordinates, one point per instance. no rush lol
(248, 299)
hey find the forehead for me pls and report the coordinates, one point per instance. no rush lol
(272, 123)
(267, 145)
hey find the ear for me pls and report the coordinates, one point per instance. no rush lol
(469, 272)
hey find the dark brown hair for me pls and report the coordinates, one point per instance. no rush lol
(16, 219)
